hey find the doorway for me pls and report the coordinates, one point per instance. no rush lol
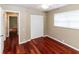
(12, 32)
(13, 26)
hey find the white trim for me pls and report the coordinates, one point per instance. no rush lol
(62, 42)
(12, 11)
(25, 41)
(17, 21)
(29, 40)
(2, 29)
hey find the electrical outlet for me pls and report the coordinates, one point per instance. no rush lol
(62, 40)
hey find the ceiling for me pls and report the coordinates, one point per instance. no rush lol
(38, 6)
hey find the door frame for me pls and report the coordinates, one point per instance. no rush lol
(2, 30)
(18, 22)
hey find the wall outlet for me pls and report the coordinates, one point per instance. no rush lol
(62, 40)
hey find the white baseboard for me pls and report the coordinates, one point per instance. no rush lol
(29, 40)
(25, 41)
(54, 39)
(62, 42)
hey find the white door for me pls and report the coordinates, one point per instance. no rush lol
(1, 31)
(36, 26)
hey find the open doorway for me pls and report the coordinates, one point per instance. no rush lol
(13, 25)
(12, 32)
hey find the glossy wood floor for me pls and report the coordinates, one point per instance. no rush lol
(42, 45)
(10, 44)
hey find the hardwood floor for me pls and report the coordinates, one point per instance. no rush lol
(42, 45)
(10, 44)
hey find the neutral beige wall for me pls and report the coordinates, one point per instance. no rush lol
(69, 36)
(24, 19)
(45, 23)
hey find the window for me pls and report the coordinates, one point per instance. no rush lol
(67, 19)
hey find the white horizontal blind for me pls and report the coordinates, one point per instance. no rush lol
(68, 19)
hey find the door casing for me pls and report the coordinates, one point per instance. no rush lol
(18, 21)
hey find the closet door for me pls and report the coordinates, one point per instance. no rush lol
(36, 26)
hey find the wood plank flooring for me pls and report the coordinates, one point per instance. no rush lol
(42, 45)
(10, 44)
